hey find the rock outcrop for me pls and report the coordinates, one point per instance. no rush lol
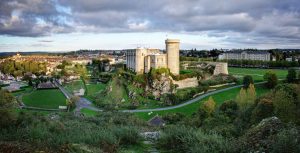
(162, 85)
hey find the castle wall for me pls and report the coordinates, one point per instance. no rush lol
(186, 83)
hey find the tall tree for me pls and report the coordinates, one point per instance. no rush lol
(271, 79)
(247, 80)
(209, 106)
(291, 76)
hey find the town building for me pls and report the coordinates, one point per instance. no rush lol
(141, 60)
(246, 55)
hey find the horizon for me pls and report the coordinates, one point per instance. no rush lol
(53, 25)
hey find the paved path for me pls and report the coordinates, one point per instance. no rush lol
(84, 103)
(187, 102)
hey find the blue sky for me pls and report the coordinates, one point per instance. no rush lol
(63, 25)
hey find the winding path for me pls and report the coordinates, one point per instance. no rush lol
(84, 103)
(187, 102)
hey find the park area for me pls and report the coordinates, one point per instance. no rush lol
(48, 99)
(257, 74)
(219, 98)
(91, 89)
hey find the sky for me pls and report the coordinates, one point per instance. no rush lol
(66, 25)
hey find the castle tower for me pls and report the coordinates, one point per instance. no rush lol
(172, 48)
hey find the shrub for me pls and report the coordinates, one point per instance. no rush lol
(291, 76)
(183, 139)
(271, 79)
(247, 80)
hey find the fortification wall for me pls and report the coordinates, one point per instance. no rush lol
(186, 83)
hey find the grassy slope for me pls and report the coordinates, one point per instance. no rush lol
(75, 85)
(257, 74)
(93, 89)
(190, 109)
(51, 98)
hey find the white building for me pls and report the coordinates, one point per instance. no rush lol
(246, 55)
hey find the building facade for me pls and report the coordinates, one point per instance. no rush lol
(141, 60)
(246, 55)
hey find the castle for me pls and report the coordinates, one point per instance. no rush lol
(141, 60)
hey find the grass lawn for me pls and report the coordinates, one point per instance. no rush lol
(74, 85)
(186, 71)
(50, 98)
(257, 74)
(88, 112)
(23, 90)
(93, 89)
(219, 98)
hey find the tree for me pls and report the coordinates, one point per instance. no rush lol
(291, 76)
(284, 105)
(7, 103)
(71, 103)
(251, 94)
(246, 97)
(271, 79)
(241, 98)
(247, 81)
(209, 106)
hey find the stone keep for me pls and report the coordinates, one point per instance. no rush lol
(172, 48)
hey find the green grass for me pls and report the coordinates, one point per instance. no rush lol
(23, 90)
(219, 98)
(74, 85)
(186, 71)
(257, 74)
(88, 112)
(93, 90)
(50, 98)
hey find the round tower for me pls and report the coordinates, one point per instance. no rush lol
(172, 48)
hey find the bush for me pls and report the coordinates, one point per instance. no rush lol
(247, 80)
(271, 79)
(182, 139)
(287, 141)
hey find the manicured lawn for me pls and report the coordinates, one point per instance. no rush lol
(257, 74)
(219, 98)
(50, 98)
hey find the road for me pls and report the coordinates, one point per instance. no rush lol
(84, 103)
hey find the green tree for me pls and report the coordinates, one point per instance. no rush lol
(284, 106)
(7, 103)
(271, 79)
(251, 94)
(291, 76)
(209, 106)
(247, 80)
(246, 97)
(71, 103)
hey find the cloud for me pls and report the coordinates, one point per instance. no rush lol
(253, 20)
(31, 18)
(46, 41)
